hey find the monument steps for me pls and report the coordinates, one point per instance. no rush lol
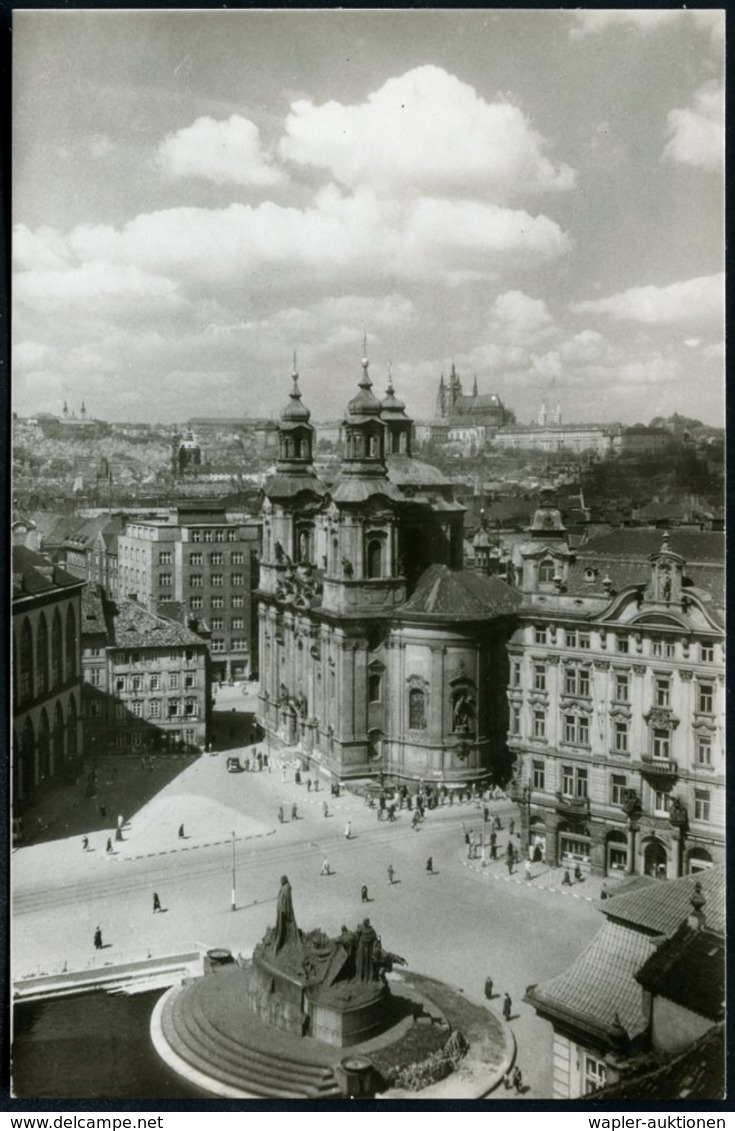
(240, 1062)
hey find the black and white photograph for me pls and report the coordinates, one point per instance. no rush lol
(367, 533)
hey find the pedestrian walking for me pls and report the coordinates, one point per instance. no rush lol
(507, 1006)
(308, 785)
(488, 988)
(485, 814)
(415, 820)
(527, 868)
(85, 844)
(517, 1080)
(578, 874)
(280, 813)
(109, 844)
(512, 827)
(430, 864)
(181, 832)
(567, 881)
(156, 903)
(509, 856)
(391, 812)
(348, 830)
(325, 809)
(297, 777)
(364, 898)
(98, 939)
(325, 868)
(259, 759)
(604, 892)
(391, 873)
(294, 813)
(118, 834)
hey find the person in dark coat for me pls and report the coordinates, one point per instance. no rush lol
(510, 856)
(567, 881)
(391, 873)
(98, 939)
(364, 898)
(181, 832)
(156, 902)
(430, 864)
(85, 843)
(109, 844)
(507, 1006)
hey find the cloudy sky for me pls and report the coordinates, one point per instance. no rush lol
(536, 195)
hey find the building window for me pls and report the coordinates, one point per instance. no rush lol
(238, 622)
(622, 645)
(218, 580)
(196, 602)
(707, 653)
(196, 536)
(595, 1074)
(570, 637)
(155, 682)
(190, 708)
(622, 687)
(539, 774)
(190, 680)
(120, 683)
(581, 776)
(620, 738)
(661, 744)
(703, 750)
(209, 536)
(577, 682)
(121, 710)
(196, 581)
(238, 579)
(218, 622)
(374, 688)
(706, 698)
(663, 693)
(220, 535)
(237, 557)
(94, 677)
(416, 709)
(174, 708)
(238, 601)
(574, 781)
(539, 635)
(137, 708)
(567, 781)
(94, 710)
(546, 571)
(195, 559)
(155, 708)
(515, 719)
(661, 802)
(585, 641)
(217, 644)
(239, 644)
(515, 673)
(539, 724)
(702, 799)
(618, 786)
(539, 677)
(164, 557)
(173, 680)
(217, 558)
(577, 730)
(232, 536)
(218, 602)
(94, 651)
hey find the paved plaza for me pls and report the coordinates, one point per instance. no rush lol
(462, 922)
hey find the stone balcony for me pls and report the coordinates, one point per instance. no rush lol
(657, 767)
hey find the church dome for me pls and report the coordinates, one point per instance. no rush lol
(295, 412)
(365, 403)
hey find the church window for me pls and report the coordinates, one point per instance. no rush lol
(546, 571)
(375, 558)
(374, 688)
(416, 720)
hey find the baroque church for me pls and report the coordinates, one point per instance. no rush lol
(379, 653)
(458, 407)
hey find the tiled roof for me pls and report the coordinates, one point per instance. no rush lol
(406, 471)
(33, 573)
(460, 595)
(601, 983)
(696, 1074)
(693, 545)
(689, 969)
(662, 907)
(93, 612)
(135, 627)
(356, 489)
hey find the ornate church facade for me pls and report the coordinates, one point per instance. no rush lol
(378, 652)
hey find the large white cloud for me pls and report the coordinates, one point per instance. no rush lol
(518, 318)
(693, 302)
(697, 133)
(224, 152)
(427, 131)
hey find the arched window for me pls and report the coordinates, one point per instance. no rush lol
(26, 662)
(375, 558)
(57, 654)
(42, 669)
(374, 446)
(44, 762)
(72, 651)
(546, 571)
(416, 712)
(57, 745)
(27, 769)
(71, 727)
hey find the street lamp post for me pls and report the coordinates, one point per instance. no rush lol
(233, 904)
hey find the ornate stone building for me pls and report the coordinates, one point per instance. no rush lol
(379, 654)
(616, 698)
